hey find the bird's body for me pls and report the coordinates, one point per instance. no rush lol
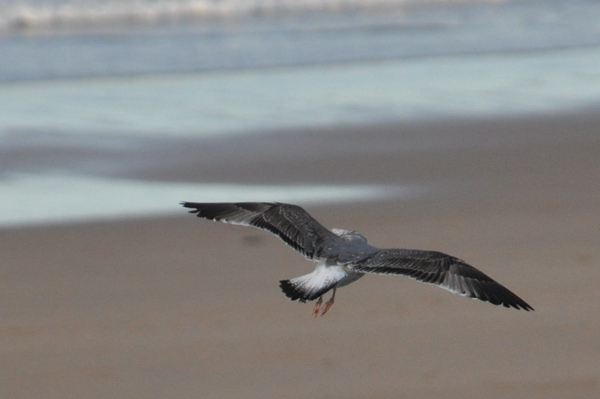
(344, 256)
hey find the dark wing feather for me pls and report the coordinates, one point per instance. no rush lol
(291, 223)
(443, 270)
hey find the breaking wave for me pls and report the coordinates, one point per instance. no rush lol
(46, 15)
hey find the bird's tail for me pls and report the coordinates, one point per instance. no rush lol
(306, 288)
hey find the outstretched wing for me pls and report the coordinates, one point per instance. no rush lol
(291, 223)
(443, 270)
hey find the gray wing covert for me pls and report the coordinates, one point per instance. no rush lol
(289, 222)
(442, 270)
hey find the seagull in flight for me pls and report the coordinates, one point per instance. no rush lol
(344, 256)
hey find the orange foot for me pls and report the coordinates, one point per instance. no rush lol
(328, 304)
(318, 306)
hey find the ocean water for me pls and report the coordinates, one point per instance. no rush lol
(80, 70)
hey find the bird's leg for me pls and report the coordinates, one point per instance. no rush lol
(329, 303)
(317, 306)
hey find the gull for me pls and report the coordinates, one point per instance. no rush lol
(344, 256)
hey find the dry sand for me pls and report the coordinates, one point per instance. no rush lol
(185, 308)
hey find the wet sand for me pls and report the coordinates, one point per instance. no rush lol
(180, 307)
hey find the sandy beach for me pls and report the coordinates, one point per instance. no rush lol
(185, 308)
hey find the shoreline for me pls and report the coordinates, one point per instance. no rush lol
(262, 166)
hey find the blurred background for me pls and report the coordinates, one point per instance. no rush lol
(95, 92)
(469, 127)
